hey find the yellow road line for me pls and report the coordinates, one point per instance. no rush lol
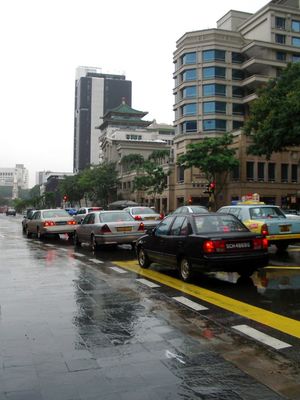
(282, 267)
(276, 321)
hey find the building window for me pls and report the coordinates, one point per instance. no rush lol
(284, 173)
(213, 55)
(237, 74)
(214, 72)
(189, 126)
(280, 56)
(296, 41)
(235, 173)
(237, 58)
(214, 90)
(280, 39)
(250, 170)
(180, 173)
(261, 171)
(189, 75)
(237, 109)
(214, 107)
(189, 58)
(237, 91)
(294, 173)
(189, 109)
(295, 26)
(214, 125)
(237, 124)
(188, 92)
(271, 172)
(279, 23)
(295, 57)
(134, 137)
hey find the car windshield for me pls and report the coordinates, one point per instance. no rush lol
(115, 217)
(142, 210)
(218, 223)
(55, 214)
(266, 212)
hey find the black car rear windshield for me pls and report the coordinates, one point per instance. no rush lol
(218, 223)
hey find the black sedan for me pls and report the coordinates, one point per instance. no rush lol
(205, 242)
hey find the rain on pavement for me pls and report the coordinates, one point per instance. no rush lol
(77, 325)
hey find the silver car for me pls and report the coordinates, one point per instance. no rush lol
(50, 221)
(191, 210)
(108, 227)
(146, 214)
(83, 211)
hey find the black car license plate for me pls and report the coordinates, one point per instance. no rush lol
(238, 245)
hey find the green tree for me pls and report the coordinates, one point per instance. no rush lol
(100, 183)
(71, 187)
(132, 161)
(274, 122)
(214, 158)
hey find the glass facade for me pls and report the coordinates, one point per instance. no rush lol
(296, 41)
(189, 109)
(237, 109)
(188, 92)
(280, 56)
(280, 39)
(214, 72)
(237, 124)
(237, 74)
(214, 107)
(213, 55)
(214, 90)
(189, 126)
(279, 23)
(189, 58)
(295, 57)
(189, 75)
(237, 58)
(214, 125)
(237, 91)
(295, 25)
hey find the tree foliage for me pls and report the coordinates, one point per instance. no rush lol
(71, 187)
(213, 157)
(274, 122)
(132, 161)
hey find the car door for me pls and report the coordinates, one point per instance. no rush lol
(83, 230)
(156, 246)
(175, 241)
(33, 223)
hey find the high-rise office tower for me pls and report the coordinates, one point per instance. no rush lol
(95, 94)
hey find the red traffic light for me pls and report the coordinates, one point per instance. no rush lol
(65, 197)
(212, 185)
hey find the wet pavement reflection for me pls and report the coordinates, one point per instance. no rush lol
(71, 329)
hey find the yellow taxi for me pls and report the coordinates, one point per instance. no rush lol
(268, 220)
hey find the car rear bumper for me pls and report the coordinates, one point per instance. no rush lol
(124, 238)
(58, 229)
(232, 263)
(293, 237)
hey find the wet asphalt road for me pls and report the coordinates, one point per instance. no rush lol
(73, 326)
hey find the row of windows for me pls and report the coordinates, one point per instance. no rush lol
(262, 171)
(211, 73)
(281, 39)
(210, 56)
(211, 90)
(212, 107)
(282, 56)
(6, 173)
(134, 137)
(208, 125)
(280, 23)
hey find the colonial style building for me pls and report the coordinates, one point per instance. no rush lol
(217, 72)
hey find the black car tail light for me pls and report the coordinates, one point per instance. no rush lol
(214, 246)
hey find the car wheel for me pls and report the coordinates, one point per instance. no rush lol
(185, 270)
(143, 258)
(94, 245)
(77, 242)
(282, 246)
(28, 234)
(23, 229)
(39, 235)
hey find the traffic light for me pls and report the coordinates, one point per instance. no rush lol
(212, 187)
(65, 197)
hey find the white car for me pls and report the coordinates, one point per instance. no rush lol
(50, 221)
(149, 217)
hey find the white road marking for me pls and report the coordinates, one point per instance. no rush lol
(119, 270)
(176, 356)
(78, 254)
(96, 261)
(147, 283)
(192, 304)
(261, 337)
(64, 249)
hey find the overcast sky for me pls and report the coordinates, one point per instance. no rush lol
(42, 43)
